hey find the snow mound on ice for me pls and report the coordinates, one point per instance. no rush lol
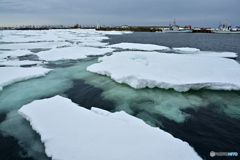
(75, 52)
(72, 132)
(11, 75)
(178, 71)
(138, 46)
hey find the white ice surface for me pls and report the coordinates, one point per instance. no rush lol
(196, 51)
(11, 75)
(114, 32)
(138, 46)
(93, 43)
(218, 54)
(17, 63)
(14, 53)
(71, 132)
(24, 36)
(186, 49)
(59, 35)
(50, 36)
(75, 52)
(178, 71)
(33, 45)
(95, 38)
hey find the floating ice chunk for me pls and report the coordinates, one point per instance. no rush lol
(114, 32)
(16, 63)
(207, 53)
(14, 54)
(61, 53)
(26, 37)
(75, 52)
(11, 75)
(33, 45)
(93, 43)
(186, 49)
(218, 54)
(92, 38)
(138, 46)
(72, 132)
(90, 51)
(178, 71)
(127, 32)
(85, 37)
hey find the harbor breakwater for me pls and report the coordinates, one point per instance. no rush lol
(149, 29)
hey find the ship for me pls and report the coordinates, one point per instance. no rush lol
(226, 28)
(177, 29)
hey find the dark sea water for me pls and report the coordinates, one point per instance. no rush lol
(208, 128)
(202, 41)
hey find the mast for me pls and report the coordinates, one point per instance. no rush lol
(174, 22)
(98, 25)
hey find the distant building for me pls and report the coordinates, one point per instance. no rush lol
(125, 26)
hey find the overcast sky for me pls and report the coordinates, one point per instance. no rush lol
(198, 13)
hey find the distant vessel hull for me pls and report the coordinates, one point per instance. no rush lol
(177, 31)
(226, 29)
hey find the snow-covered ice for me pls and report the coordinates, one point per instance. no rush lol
(92, 38)
(93, 43)
(69, 131)
(33, 45)
(11, 75)
(14, 53)
(114, 32)
(186, 49)
(51, 35)
(17, 63)
(232, 55)
(178, 71)
(26, 36)
(75, 52)
(138, 46)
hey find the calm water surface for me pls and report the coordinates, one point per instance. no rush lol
(202, 41)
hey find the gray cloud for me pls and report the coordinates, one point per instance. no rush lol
(116, 12)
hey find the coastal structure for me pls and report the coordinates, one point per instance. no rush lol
(226, 28)
(172, 28)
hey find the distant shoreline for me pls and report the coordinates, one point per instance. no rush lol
(121, 28)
